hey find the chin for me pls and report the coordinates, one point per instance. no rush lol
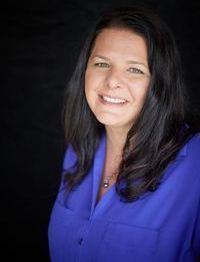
(110, 122)
(107, 122)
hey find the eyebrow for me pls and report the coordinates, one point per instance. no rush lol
(129, 61)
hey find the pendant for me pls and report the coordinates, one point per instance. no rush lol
(105, 184)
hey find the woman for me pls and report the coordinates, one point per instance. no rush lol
(131, 174)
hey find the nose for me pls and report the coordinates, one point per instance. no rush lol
(114, 79)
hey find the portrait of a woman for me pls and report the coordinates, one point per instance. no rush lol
(130, 186)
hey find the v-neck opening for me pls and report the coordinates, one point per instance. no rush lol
(97, 172)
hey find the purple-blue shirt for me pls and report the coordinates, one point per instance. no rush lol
(161, 226)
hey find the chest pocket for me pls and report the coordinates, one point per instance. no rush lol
(124, 243)
(61, 215)
(61, 232)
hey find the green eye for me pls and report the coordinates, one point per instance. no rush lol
(101, 65)
(135, 70)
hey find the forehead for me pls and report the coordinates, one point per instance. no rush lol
(121, 41)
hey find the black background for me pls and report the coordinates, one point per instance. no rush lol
(40, 43)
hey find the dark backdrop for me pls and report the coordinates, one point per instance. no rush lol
(40, 42)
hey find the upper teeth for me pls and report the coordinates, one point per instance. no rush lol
(113, 100)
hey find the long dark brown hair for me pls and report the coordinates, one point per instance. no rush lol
(160, 130)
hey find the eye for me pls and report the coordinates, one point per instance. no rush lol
(135, 70)
(102, 64)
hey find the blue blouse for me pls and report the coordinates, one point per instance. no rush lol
(161, 226)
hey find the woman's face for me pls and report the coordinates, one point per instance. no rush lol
(117, 77)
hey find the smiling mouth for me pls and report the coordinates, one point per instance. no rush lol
(112, 100)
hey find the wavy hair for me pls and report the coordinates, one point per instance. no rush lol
(159, 132)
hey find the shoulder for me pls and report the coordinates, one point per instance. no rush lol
(195, 139)
(70, 158)
(193, 147)
(189, 164)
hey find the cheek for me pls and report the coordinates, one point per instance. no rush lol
(90, 90)
(92, 86)
(89, 81)
(94, 78)
(88, 93)
(88, 85)
(138, 96)
(139, 91)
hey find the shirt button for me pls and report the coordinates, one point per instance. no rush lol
(80, 241)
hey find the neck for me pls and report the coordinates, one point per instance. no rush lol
(116, 139)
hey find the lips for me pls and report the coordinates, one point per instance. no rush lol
(113, 100)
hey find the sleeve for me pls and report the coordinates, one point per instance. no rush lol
(69, 159)
(196, 236)
(193, 157)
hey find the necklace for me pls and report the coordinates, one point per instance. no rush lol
(106, 181)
